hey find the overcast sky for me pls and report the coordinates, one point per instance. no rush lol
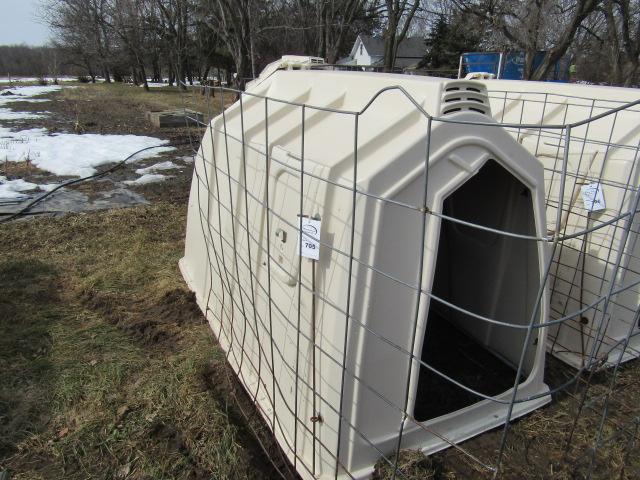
(19, 23)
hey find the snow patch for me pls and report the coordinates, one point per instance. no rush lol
(71, 154)
(14, 188)
(34, 79)
(18, 79)
(47, 187)
(24, 94)
(8, 114)
(147, 178)
(157, 167)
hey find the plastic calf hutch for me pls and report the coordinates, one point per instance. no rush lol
(595, 279)
(408, 330)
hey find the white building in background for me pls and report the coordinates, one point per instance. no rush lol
(369, 51)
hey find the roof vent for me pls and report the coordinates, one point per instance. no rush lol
(462, 95)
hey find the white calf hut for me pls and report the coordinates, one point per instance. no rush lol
(595, 282)
(346, 354)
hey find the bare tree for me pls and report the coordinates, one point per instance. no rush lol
(187, 38)
(184, 37)
(623, 35)
(324, 28)
(399, 15)
(577, 15)
(78, 25)
(339, 22)
(23, 60)
(532, 26)
(175, 15)
(236, 22)
(127, 22)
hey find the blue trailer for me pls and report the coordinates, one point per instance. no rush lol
(507, 65)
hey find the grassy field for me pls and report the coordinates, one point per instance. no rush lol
(108, 370)
(125, 105)
(105, 355)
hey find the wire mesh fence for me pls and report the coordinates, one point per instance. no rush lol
(383, 285)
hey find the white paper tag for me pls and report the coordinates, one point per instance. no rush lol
(310, 233)
(592, 197)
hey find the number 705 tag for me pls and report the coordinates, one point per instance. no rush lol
(309, 235)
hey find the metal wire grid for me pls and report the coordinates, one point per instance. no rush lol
(616, 137)
(243, 304)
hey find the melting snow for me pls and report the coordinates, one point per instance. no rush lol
(157, 167)
(34, 79)
(23, 94)
(26, 94)
(147, 178)
(64, 153)
(71, 154)
(67, 154)
(7, 114)
(14, 188)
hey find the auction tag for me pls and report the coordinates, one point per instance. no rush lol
(310, 233)
(592, 197)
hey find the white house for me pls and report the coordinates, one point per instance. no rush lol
(369, 51)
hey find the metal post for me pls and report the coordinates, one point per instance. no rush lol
(420, 274)
(348, 307)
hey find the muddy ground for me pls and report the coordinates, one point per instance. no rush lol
(108, 369)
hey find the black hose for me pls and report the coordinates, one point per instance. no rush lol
(24, 211)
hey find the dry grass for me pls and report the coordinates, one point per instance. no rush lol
(537, 443)
(411, 464)
(118, 108)
(89, 101)
(107, 369)
(106, 362)
(18, 169)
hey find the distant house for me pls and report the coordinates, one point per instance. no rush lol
(368, 50)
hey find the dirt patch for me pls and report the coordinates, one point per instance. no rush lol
(170, 435)
(412, 464)
(149, 321)
(177, 306)
(92, 188)
(175, 189)
(84, 108)
(170, 440)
